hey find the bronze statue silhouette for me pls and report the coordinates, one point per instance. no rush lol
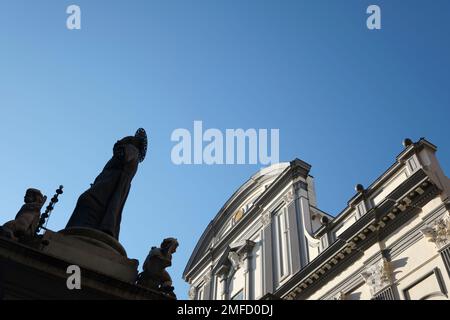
(100, 207)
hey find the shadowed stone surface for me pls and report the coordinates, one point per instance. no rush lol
(91, 249)
(27, 272)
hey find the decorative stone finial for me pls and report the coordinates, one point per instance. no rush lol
(407, 142)
(359, 188)
(324, 220)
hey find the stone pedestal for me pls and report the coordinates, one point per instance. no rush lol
(93, 250)
(36, 269)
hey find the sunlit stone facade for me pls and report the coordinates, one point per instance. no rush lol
(271, 241)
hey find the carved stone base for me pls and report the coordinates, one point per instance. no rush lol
(97, 238)
(91, 249)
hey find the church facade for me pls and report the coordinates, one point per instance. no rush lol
(271, 241)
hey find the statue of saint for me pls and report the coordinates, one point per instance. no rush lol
(27, 219)
(154, 276)
(100, 207)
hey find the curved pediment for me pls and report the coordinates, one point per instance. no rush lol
(236, 207)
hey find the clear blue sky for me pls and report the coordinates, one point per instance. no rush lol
(342, 96)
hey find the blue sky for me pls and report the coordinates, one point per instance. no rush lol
(342, 96)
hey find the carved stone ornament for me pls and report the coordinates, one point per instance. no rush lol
(340, 296)
(438, 232)
(288, 197)
(207, 277)
(235, 259)
(238, 215)
(266, 219)
(378, 276)
(192, 293)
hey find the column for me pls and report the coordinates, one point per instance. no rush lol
(247, 264)
(222, 274)
(207, 288)
(267, 253)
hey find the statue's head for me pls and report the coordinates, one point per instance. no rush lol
(170, 245)
(33, 196)
(139, 140)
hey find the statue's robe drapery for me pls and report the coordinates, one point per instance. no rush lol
(100, 207)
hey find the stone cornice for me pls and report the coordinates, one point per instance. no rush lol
(395, 250)
(419, 189)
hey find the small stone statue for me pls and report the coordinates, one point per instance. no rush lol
(154, 276)
(27, 219)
